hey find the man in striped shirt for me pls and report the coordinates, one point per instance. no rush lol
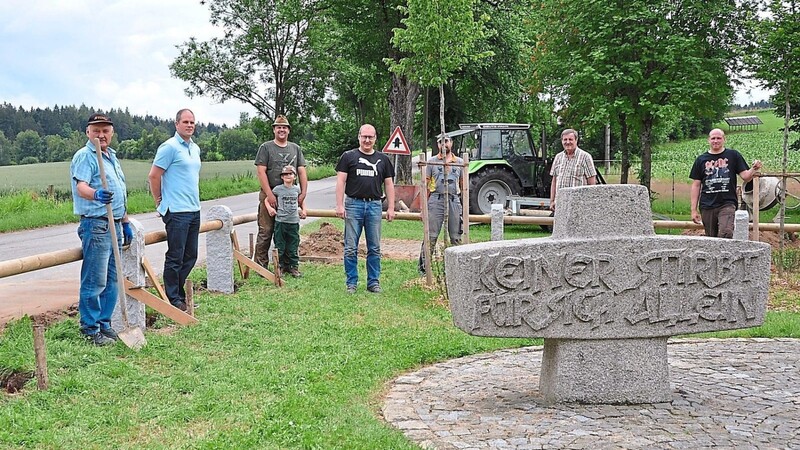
(572, 167)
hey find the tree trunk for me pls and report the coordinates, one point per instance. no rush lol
(624, 139)
(402, 105)
(647, 153)
(441, 108)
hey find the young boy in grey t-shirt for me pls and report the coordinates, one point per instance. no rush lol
(287, 221)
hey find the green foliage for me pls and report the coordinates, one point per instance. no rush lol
(775, 60)
(237, 144)
(262, 58)
(635, 62)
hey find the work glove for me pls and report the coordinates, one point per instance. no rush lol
(102, 195)
(127, 234)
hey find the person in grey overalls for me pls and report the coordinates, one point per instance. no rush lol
(444, 188)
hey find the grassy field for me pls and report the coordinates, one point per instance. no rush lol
(37, 177)
(303, 366)
(32, 209)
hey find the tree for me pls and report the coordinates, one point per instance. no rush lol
(635, 61)
(262, 60)
(775, 61)
(439, 38)
(6, 150)
(237, 144)
(356, 40)
(28, 144)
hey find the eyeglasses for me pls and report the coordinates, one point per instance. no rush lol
(368, 138)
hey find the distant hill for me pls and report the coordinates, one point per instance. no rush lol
(61, 120)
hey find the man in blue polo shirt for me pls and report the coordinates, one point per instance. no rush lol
(98, 291)
(175, 185)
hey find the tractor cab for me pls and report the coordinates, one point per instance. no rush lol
(503, 161)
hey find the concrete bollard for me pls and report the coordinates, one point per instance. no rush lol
(741, 225)
(132, 270)
(219, 251)
(497, 222)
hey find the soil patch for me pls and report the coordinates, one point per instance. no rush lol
(13, 382)
(328, 242)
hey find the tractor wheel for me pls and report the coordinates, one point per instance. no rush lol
(491, 185)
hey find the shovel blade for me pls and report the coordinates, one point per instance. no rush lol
(133, 337)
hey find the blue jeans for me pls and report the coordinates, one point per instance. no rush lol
(362, 215)
(98, 292)
(183, 229)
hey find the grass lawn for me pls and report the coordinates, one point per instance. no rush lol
(303, 366)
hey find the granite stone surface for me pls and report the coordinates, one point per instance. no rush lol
(605, 292)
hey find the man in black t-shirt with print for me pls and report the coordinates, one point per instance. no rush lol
(714, 185)
(362, 176)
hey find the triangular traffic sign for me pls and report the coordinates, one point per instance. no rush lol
(397, 144)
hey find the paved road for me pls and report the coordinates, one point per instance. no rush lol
(57, 287)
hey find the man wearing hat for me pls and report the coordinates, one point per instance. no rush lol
(287, 221)
(272, 157)
(443, 172)
(175, 187)
(98, 291)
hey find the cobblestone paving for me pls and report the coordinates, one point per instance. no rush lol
(731, 393)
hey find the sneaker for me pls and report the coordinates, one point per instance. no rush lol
(294, 272)
(351, 289)
(99, 339)
(109, 333)
(375, 289)
(180, 304)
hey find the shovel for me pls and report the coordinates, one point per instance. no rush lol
(133, 337)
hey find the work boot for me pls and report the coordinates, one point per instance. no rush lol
(180, 304)
(109, 333)
(99, 339)
(294, 272)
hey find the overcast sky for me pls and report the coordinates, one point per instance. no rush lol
(112, 54)
(104, 54)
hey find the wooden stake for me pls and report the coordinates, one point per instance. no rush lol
(148, 268)
(40, 350)
(189, 287)
(235, 241)
(277, 266)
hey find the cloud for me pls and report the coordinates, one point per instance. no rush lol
(113, 54)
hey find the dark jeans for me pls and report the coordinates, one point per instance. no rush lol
(266, 226)
(287, 239)
(718, 222)
(183, 229)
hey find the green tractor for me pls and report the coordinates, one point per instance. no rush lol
(503, 162)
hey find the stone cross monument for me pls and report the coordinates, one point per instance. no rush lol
(605, 292)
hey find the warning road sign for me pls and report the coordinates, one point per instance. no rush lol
(397, 144)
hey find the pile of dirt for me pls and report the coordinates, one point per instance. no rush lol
(328, 242)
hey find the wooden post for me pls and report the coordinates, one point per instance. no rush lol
(252, 253)
(235, 242)
(756, 207)
(277, 266)
(189, 287)
(465, 199)
(40, 350)
(426, 239)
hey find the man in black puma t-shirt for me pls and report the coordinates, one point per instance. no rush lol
(362, 175)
